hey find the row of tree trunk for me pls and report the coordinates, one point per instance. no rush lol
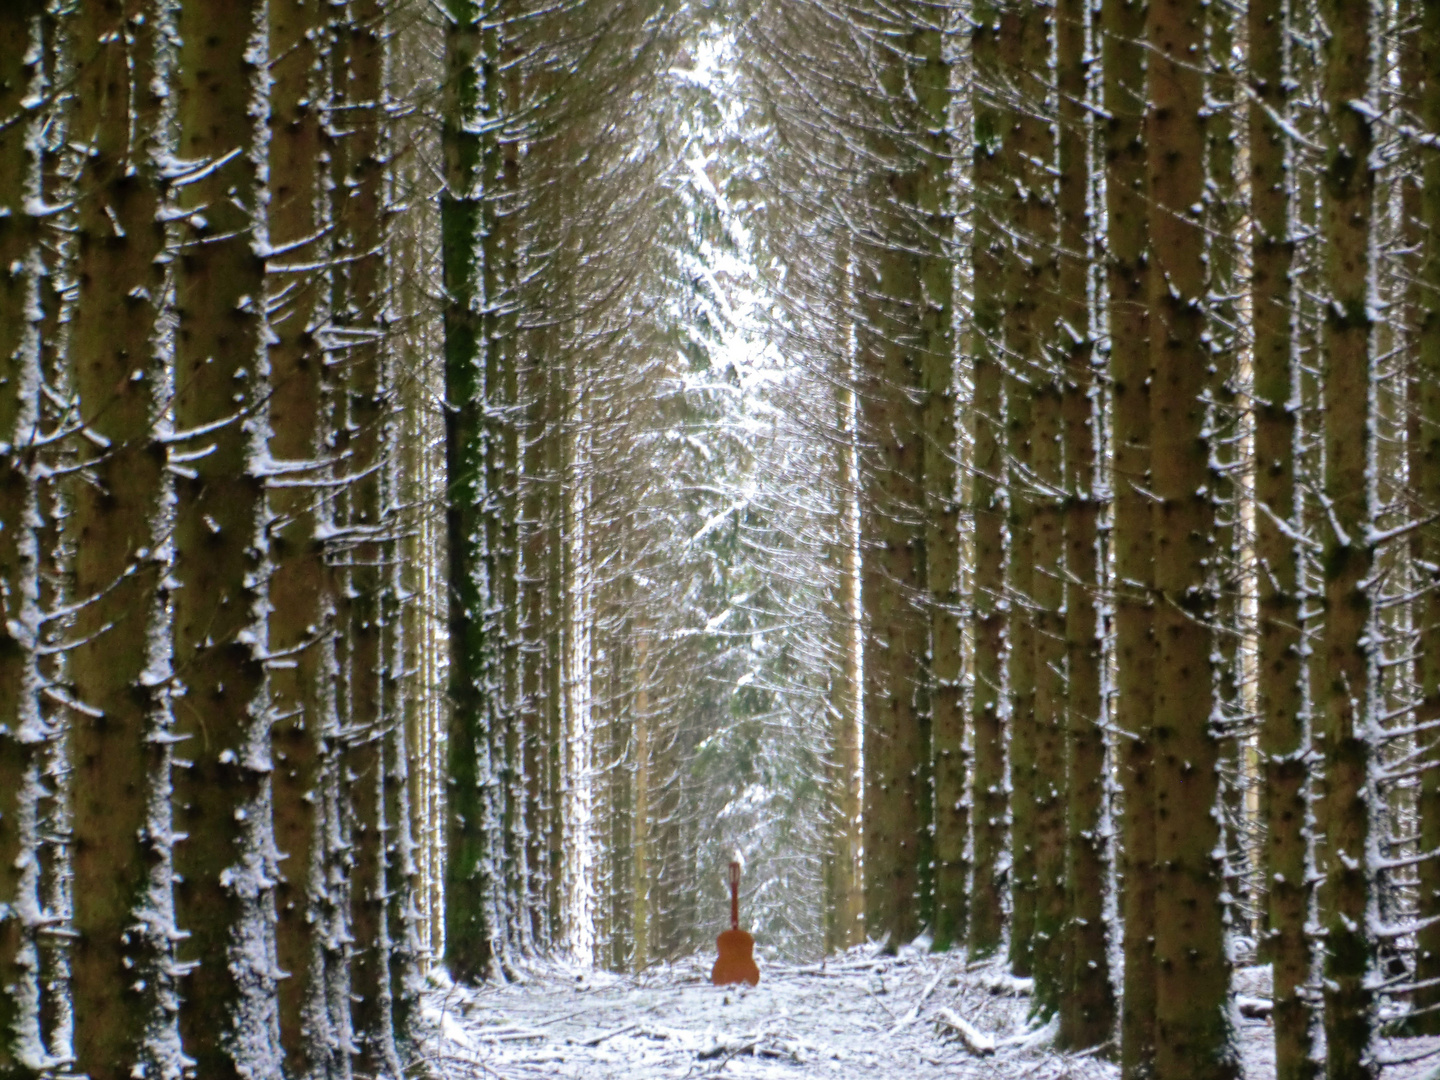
(1186, 520)
(212, 761)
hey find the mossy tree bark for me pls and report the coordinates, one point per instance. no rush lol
(1345, 692)
(469, 880)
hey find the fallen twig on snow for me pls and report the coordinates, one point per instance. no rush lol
(914, 1013)
(975, 1040)
(598, 1039)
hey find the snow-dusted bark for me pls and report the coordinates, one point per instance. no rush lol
(469, 929)
(577, 882)
(905, 320)
(218, 455)
(1193, 1033)
(117, 528)
(357, 327)
(1086, 999)
(299, 575)
(1037, 495)
(846, 902)
(1346, 692)
(985, 409)
(1122, 98)
(1425, 480)
(1222, 219)
(23, 728)
(933, 81)
(1284, 738)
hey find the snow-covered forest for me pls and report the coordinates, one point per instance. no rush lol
(469, 469)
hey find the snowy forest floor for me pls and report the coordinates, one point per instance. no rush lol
(860, 1016)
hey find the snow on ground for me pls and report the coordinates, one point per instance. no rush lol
(857, 1016)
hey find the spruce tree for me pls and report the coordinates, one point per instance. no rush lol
(1279, 687)
(221, 787)
(1192, 1030)
(117, 530)
(1086, 999)
(989, 798)
(1345, 693)
(1123, 96)
(301, 582)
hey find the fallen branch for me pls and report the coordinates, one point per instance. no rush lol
(976, 1041)
(598, 1039)
(914, 1013)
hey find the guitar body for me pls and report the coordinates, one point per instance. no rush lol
(736, 962)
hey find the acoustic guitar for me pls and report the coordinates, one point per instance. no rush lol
(736, 962)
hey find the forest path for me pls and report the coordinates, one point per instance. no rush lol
(860, 1016)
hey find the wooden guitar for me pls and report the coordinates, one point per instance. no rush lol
(736, 962)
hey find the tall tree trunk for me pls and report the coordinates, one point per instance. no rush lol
(22, 733)
(1223, 227)
(1035, 356)
(934, 270)
(1346, 691)
(1425, 480)
(116, 532)
(1017, 33)
(641, 914)
(222, 795)
(1193, 1036)
(897, 806)
(300, 575)
(989, 800)
(1284, 741)
(845, 903)
(1123, 23)
(1086, 999)
(469, 876)
(358, 312)
(892, 574)
(535, 486)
